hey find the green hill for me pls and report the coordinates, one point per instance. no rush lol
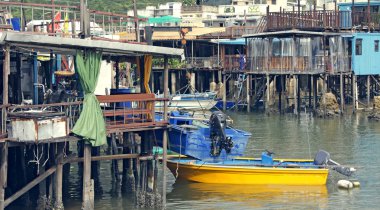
(117, 6)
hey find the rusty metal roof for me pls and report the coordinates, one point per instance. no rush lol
(175, 35)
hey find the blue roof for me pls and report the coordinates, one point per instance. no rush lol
(240, 41)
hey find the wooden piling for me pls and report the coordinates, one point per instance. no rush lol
(315, 92)
(225, 92)
(3, 172)
(368, 91)
(58, 176)
(295, 93)
(88, 192)
(341, 93)
(249, 80)
(6, 72)
(165, 133)
(267, 95)
(174, 82)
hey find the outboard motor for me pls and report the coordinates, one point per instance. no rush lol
(322, 158)
(219, 140)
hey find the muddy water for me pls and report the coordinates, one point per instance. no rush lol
(351, 140)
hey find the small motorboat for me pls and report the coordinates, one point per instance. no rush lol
(206, 140)
(258, 171)
(196, 101)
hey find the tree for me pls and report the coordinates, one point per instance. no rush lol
(188, 2)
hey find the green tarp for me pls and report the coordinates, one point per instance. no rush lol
(164, 19)
(90, 125)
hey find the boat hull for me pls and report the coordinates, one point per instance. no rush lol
(187, 105)
(197, 144)
(252, 175)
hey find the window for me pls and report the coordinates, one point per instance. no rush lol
(358, 47)
(274, 2)
(376, 45)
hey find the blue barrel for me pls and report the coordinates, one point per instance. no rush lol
(121, 91)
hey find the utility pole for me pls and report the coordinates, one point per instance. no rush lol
(84, 19)
(52, 17)
(137, 30)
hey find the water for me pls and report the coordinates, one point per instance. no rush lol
(351, 140)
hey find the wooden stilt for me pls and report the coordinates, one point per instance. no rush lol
(165, 133)
(3, 172)
(174, 82)
(295, 88)
(341, 93)
(58, 177)
(309, 82)
(315, 92)
(249, 81)
(324, 90)
(368, 91)
(88, 192)
(225, 92)
(267, 95)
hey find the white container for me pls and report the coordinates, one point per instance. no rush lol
(39, 129)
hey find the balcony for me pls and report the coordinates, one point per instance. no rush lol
(163, 12)
(320, 20)
(199, 9)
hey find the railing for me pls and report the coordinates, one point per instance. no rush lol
(71, 110)
(198, 9)
(230, 32)
(233, 63)
(303, 20)
(202, 62)
(163, 12)
(321, 20)
(130, 111)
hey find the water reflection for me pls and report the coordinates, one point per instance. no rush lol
(249, 196)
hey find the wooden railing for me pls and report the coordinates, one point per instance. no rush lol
(322, 19)
(121, 112)
(130, 111)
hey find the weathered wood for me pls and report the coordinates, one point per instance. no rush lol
(108, 157)
(6, 72)
(342, 81)
(295, 98)
(29, 186)
(225, 92)
(267, 94)
(3, 173)
(249, 81)
(165, 139)
(58, 176)
(368, 91)
(87, 201)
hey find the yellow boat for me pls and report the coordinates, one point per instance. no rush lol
(250, 171)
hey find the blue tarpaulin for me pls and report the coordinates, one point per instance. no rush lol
(240, 41)
(15, 22)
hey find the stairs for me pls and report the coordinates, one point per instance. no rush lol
(262, 26)
(261, 91)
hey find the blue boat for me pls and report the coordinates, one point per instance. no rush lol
(212, 140)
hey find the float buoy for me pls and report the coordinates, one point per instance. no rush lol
(345, 184)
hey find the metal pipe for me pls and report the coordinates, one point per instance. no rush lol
(35, 78)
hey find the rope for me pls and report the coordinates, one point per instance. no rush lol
(179, 156)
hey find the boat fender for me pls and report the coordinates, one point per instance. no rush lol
(345, 184)
(356, 183)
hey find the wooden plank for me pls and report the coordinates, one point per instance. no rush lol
(124, 112)
(29, 186)
(3, 173)
(125, 97)
(87, 201)
(134, 125)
